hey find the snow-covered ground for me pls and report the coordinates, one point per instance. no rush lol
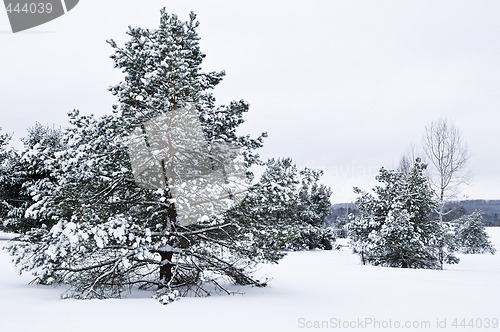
(329, 288)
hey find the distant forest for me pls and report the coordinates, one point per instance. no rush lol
(455, 209)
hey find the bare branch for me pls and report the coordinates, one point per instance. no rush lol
(447, 157)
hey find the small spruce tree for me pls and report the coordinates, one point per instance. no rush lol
(472, 235)
(394, 227)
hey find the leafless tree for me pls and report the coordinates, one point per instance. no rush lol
(447, 156)
(407, 161)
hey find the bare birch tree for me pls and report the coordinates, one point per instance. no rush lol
(447, 156)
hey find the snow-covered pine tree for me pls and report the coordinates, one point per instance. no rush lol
(20, 175)
(313, 208)
(106, 233)
(5, 187)
(4, 142)
(294, 202)
(394, 227)
(472, 235)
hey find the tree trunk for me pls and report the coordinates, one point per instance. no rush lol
(404, 262)
(441, 202)
(169, 221)
(166, 268)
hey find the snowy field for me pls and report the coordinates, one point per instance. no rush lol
(322, 288)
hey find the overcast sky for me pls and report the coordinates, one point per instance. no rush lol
(344, 86)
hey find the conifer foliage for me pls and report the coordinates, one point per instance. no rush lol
(5, 182)
(294, 202)
(394, 227)
(472, 235)
(23, 173)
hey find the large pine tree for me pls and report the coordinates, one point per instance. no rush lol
(105, 230)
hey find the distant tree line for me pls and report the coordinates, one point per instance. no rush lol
(489, 208)
(339, 212)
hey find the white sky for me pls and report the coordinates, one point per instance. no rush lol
(344, 86)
